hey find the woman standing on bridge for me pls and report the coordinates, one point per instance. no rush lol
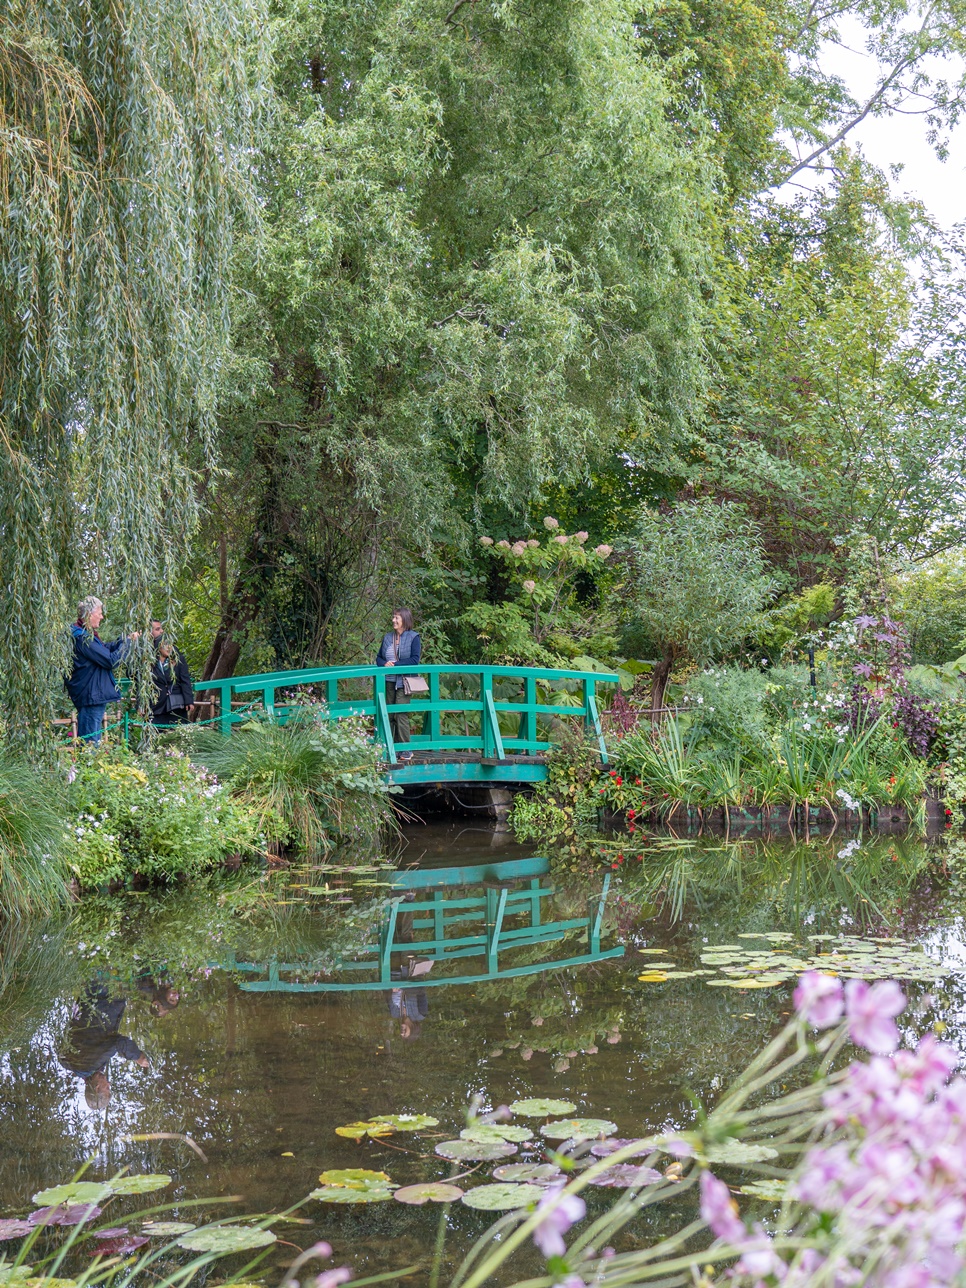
(400, 647)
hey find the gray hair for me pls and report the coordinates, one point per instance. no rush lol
(87, 606)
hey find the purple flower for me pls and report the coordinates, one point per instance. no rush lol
(818, 999)
(863, 669)
(720, 1210)
(864, 620)
(871, 1010)
(558, 1212)
(333, 1278)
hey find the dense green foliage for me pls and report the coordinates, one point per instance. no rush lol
(32, 869)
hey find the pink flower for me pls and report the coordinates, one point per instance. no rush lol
(603, 551)
(581, 537)
(720, 1210)
(333, 1278)
(818, 999)
(486, 541)
(870, 1010)
(550, 523)
(533, 544)
(560, 539)
(519, 547)
(529, 586)
(503, 545)
(559, 1212)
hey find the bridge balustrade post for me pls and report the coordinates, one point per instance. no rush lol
(591, 717)
(224, 708)
(434, 724)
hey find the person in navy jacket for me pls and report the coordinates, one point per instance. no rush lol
(91, 683)
(400, 647)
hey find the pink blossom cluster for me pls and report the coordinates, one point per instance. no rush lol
(885, 1189)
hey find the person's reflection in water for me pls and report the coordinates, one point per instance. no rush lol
(410, 1006)
(93, 1038)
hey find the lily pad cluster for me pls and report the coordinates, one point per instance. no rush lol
(386, 1125)
(770, 958)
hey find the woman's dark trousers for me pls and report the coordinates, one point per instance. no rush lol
(400, 721)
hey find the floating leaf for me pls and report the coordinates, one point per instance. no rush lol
(578, 1129)
(407, 1122)
(541, 1108)
(15, 1274)
(14, 1229)
(356, 1178)
(486, 1132)
(118, 1247)
(625, 1175)
(772, 1190)
(114, 1232)
(142, 1184)
(737, 1152)
(501, 1198)
(70, 1214)
(653, 977)
(603, 1148)
(471, 1151)
(75, 1192)
(374, 1128)
(431, 1192)
(533, 1173)
(165, 1229)
(223, 1239)
(343, 1194)
(656, 952)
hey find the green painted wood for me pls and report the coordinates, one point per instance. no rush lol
(471, 874)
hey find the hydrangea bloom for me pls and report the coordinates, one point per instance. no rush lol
(603, 551)
(550, 523)
(529, 586)
(486, 541)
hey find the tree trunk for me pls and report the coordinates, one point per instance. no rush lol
(659, 682)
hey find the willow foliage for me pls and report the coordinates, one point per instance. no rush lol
(124, 151)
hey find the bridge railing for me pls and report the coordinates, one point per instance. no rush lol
(497, 711)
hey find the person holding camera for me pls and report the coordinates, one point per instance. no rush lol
(401, 647)
(91, 682)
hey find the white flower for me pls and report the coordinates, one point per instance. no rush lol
(551, 523)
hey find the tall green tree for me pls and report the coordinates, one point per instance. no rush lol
(488, 243)
(125, 144)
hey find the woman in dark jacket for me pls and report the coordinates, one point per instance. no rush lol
(91, 682)
(400, 647)
(175, 695)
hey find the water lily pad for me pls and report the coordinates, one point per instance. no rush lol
(15, 1274)
(532, 1173)
(603, 1148)
(113, 1232)
(624, 1175)
(166, 1229)
(541, 1108)
(486, 1132)
(407, 1122)
(374, 1128)
(653, 977)
(142, 1184)
(343, 1194)
(431, 1192)
(578, 1129)
(118, 1247)
(14, 1229)
(503, 1197)
(737, 1152)
(471, 1151)
(773, 1190)
(356, 1178)
(65, 1214)
(74, 1192)
(224, 1239)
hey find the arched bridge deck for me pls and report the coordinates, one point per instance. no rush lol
(487, 724)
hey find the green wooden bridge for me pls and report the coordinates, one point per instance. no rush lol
(485, 724)
(433, 917)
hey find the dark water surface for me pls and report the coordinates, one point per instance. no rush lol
(260, 1081)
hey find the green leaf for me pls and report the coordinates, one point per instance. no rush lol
(533, 1173)
(164, 1229)
(342, 1194)
(468, 1151)
(356, 1178)
(483, 1133)
(736, 1152)
(224, 1239)
(541, 1108)
(407, 1122)
(142, 1184)
(75, 1192)
(501, 1198)
(429, 1192)
(578, 1129)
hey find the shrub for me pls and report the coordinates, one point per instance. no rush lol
(563, 809)
(154, 815)
(33, 876)
(311, 782)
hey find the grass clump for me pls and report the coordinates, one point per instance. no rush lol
(32, 836)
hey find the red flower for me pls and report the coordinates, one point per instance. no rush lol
(620, 782)
(632, 813)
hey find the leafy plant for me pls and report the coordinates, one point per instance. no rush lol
(311, 782)
(33, 874)
(563, 809)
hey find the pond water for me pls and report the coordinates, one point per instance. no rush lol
(261, 1080)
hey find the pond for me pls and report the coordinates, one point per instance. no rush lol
(260, 1080)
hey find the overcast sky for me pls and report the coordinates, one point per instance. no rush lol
(901, 139)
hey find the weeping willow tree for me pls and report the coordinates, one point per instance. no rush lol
(125, 150)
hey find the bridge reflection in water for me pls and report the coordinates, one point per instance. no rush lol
(433, 917)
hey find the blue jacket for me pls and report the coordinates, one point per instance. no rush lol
(91, 680)
(409, 648)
